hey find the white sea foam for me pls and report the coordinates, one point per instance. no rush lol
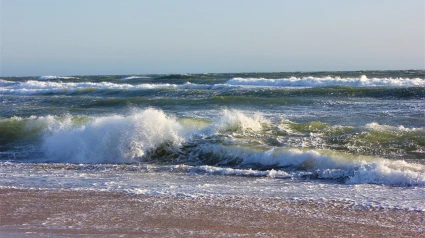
(363, 81)
(241, 172)
(235, 120)
(113, 139)
(52, 77)
(128, 178)
(4, 82)
(386, 128)
(42, 87)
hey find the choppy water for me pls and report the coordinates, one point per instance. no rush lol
(346, 136)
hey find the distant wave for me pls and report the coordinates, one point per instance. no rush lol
(45, 85)
(5, 82)
(135, 77)
(177, 76)
(52, 77)
(363, 81)
(40, 87)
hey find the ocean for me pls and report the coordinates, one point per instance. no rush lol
(355, 137)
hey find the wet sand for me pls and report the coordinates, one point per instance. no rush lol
(35, 213)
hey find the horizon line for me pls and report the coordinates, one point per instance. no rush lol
(246, 72)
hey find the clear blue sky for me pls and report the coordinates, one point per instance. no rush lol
(75, 37)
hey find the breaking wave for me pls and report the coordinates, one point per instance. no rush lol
(321, 164)
(363, 86)
(37, 87)
(135, 77)
(233, 143)
(362, 81)
(112, 139)
(52, 77)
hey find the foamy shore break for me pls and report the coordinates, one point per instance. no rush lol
(35, 213)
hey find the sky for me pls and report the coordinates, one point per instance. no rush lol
(97, 37)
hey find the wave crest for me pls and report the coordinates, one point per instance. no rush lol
(31, 87)
(113, 139)
(319, 163)
(234, 120)
(234, 142)
(362, 81)
(52, 77)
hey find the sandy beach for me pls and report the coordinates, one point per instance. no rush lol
(34, 213)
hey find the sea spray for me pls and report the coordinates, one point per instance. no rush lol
(234, 120)
(113, 139)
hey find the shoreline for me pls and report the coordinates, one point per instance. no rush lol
(35, 213)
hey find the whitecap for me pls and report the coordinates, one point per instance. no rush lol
(31, 87)
(135, 77)
(111, 139)
(52, 77)
(362, 81)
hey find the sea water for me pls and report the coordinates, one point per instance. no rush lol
(354, 137)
